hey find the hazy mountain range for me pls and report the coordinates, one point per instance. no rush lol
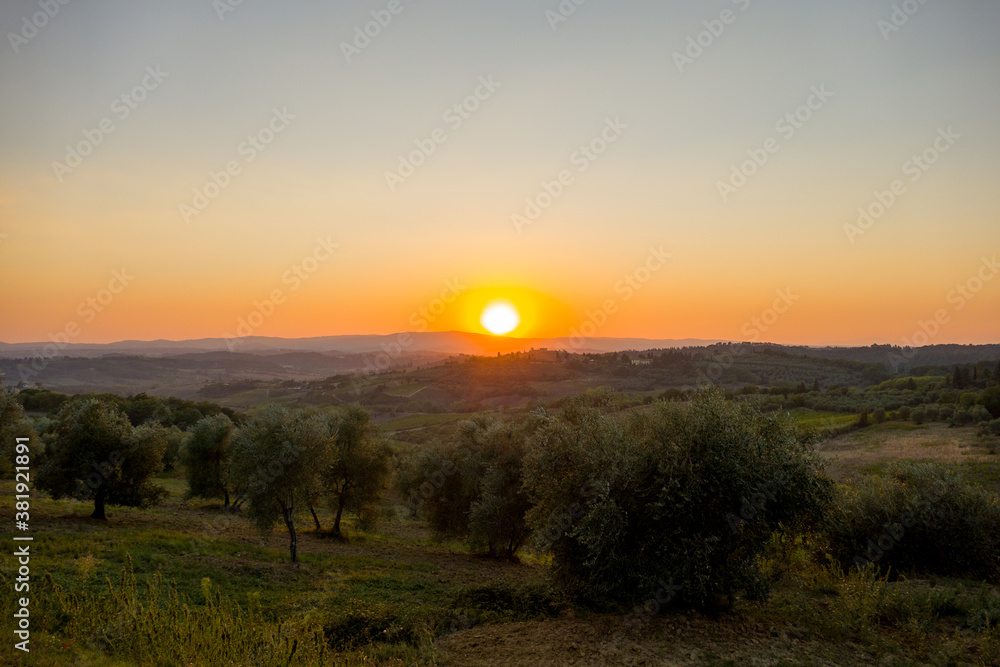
(440, 342)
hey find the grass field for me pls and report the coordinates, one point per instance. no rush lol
(871, 449)
(394, 596)
(421, 421)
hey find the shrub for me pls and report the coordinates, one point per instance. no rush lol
(507, 600)
(687, 494)
(919, 415)
(990, 428)
(878, 416)
(961, 417)
(978, 414)
(920, 518)
(474, 489)
(147, 622)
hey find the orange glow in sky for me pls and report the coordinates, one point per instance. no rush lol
(241, 189)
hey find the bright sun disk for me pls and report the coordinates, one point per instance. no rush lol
(499, 318)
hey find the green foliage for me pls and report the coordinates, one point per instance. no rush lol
(510, 601)
(176, 440)
(687, 494)
(13, 425)
(275, 459)
(353, 464)
(207, 458)
(149, 624)
(497, 523)
(473, 488)
(362, 627)
(41, 400)
(920, 518)
(98, 454)
(990, 399)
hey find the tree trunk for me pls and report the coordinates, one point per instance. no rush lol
(99, 504)
(315, 518)
(226, 492)
(293, 543)
(336, 521)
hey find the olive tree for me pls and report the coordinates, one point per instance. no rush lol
(275, 461)
(354, 463)
(98, 454)
(687, 493)
(207, 458)
(13, 425)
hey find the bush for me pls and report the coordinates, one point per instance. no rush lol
(365, 626)
(878, 415)
(978, 414)
(961, 417)
(990, 428)
(510, 601)
(473, 489)
(921, 518)
(919, 415)
(687, 494)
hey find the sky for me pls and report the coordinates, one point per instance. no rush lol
(784, 171)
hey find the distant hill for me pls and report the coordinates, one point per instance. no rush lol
(441, 342)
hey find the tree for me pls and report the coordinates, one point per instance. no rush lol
(497, 518)
(474, 488)
(275, 460)
(689, 494)
(98, 454)
(13, 425)
(206, 458)
(356, 463)
(990, 399)
(143, 408)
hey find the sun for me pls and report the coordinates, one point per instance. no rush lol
(500, 318)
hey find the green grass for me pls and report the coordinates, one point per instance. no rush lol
(805, 418)
(406, 390)
(422, 420)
